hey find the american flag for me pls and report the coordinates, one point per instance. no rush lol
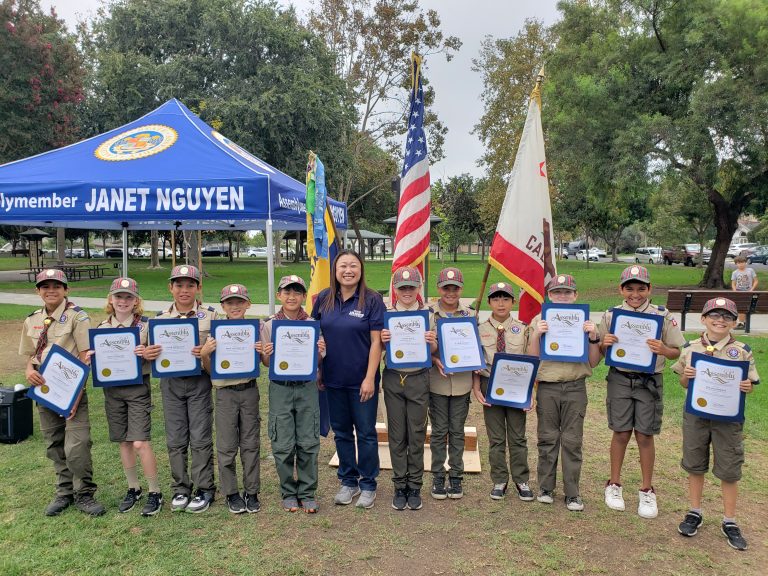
(412, 233)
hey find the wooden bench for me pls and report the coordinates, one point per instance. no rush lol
(685, 301)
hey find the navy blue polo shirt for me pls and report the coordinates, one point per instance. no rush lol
(347, 333)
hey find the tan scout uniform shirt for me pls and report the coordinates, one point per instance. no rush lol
(725, 349)
(516, 336)
(458, 383)
(69, 330)
(398, 307)
(552, 371)
(204, 315)
(670, 331)
(143, 326)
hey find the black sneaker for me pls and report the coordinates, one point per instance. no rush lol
(88, 505)
(690, 526)
(498, 491)
(455, 491)
(154, 504)
(58, 505)
(129, 501)
(201, 502)
(524, 492)
(732, 532)
(235, 503)
(414, 499)
(400, 501)
(438, 488)
(252, 504)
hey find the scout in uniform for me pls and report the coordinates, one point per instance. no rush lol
(187, 403)
(726, 438)
(129, 408)
(238, 422)
(294, 411)
(406, 395)
(505, 425)
(448, 396)
(68, 442)
(561, 403)
(635, 401)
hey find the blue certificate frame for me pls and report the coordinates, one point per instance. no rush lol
(33, 393)
(690, 404)
(391, 361)
(500, 360)
(192, 324)
(312, 325)
(218, 324)
(545, 338)
(133, 334)
(472, 321)
(617, 314)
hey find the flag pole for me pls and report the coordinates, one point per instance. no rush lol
(479, 301)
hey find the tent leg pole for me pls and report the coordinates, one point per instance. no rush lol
(270, 268)
(124, 271)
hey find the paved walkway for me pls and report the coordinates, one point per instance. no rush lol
(759, 321)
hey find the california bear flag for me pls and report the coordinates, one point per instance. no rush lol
(522, 245)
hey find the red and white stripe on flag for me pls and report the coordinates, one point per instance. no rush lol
(523, 245)
(412, 232)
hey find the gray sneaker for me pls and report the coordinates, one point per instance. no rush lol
(345, 495)
(366, 500)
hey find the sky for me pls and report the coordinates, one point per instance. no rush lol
(457, 87)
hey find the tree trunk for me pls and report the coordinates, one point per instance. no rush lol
(61, 245)
(191, 245)
(277, 238)
(229, 240)
(360, 241)
(726, 218)
(154, 260)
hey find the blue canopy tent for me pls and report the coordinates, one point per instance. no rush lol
(166, 169)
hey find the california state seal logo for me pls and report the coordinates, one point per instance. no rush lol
(137, 143)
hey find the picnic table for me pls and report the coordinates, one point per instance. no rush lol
(75, 271)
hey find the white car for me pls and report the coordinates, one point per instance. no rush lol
(648, 255)
(582, 255)
(260, 252)
(735, 249)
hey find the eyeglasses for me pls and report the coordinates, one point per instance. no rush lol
(721, 316)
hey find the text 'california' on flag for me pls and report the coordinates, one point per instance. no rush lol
(523, 243)
(412, 232)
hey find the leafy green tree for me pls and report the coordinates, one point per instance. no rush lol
(42, 81)
(456, 202)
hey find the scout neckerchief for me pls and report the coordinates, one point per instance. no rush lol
(135, 322)
(301, 315)
(710, 348)
(189, 314)
(42, 340)
(501, 341)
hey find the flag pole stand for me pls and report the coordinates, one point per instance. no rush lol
(479, 301)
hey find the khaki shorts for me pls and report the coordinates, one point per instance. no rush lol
(633, 403)
(727, 443)
(129, 411)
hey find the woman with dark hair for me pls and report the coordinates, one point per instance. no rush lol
(351, 319)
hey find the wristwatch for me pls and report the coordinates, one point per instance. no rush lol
(595, 341)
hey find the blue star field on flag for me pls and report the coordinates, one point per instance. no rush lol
(416, 142)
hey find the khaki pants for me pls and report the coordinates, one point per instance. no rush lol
(187, 409)
(238, 426)
(407, 406)
(68, 446)
(294, 429)
(506, 431)
(448, 415)
(560, 407)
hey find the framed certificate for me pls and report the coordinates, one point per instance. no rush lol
(565, 339)
(115, 363)
(235, 355)
(295, 350)
(65, 378)
(407, 347)
(511, 381)
(459, 343)
(714, 393)
(177, 336)
(633, 329)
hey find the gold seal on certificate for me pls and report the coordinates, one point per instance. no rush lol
(45, 389)
(454, 358)
(701, 402)
(554, 346)
(165, 363)
(283, 365)
(225, 364)
(399, 354)
(621, 352)
(106, 372)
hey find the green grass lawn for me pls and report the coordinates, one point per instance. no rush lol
(598, 283)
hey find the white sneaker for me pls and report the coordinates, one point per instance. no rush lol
(614, 498)
(647, 507)
(345, 494)
(366, 500)
(179, 502)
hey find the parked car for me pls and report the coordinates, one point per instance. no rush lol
(735, 249)
(677, 255)
(214, 251)
(582, 255)
(759, 255)
(97, 254)
(574, 247)
(695, 250)
(258, 252)
(113, 253)
(648, 255)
